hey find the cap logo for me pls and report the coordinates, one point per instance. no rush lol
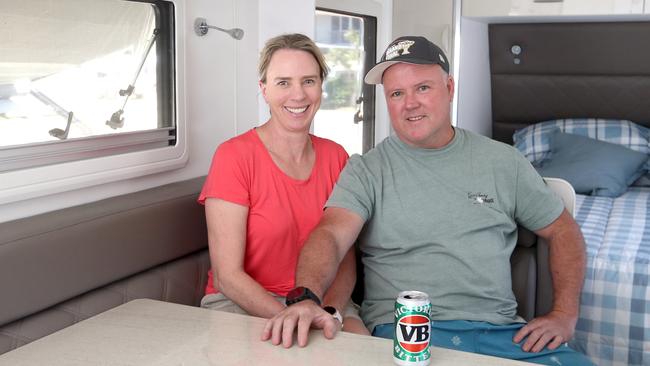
(442, 58)
(398, 49)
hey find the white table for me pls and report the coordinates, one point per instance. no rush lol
(149, 332)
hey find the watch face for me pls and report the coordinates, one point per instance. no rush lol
(330, 309)
(335, 313)
(299, 294)
(296, 293)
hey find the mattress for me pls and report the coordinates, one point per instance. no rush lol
(614, 323)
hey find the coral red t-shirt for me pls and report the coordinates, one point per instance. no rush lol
(282, 211)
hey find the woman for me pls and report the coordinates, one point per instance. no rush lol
(266, 190)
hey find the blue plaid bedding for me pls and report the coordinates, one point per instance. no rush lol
(534, 141)
(614, 323)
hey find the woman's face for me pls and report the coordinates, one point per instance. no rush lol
(293, 89)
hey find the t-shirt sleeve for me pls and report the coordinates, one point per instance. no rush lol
(341, 160)
(334, 157)
(536, 205)
(343, 156)
(229, 176)
(353, 190)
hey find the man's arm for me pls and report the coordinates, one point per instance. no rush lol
(567, 264)
(317, 267)
(339, 294)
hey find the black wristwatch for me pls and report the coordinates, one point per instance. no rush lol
(299, 294)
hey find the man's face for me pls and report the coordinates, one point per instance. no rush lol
(418, 98)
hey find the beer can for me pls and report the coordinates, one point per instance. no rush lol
(412, 329)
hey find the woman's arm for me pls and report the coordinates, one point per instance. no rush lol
(227, 240)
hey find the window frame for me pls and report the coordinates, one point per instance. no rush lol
(68, 165)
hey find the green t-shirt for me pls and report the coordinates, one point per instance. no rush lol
(443, 221)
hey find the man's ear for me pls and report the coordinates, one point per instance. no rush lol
(451, 85)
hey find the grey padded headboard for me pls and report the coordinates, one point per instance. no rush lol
(569, 70)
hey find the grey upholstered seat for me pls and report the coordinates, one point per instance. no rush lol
(531, 275)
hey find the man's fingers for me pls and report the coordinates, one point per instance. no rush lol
(330, 328)
(276, 336)
(541, 342)
(533, 337)
(548, 331)
(555, 343)
(298, 317)
(304, 324)
(266, 332)
(288, 325)
(523, 333)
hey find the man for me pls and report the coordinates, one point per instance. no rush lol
(438, 208)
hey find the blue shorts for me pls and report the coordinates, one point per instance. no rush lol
(490, 339)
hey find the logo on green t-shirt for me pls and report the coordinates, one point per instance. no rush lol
(479, 198)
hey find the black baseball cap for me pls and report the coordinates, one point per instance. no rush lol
(410, 50)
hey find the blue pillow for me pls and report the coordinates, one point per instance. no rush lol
(591, 166)
(534, 141)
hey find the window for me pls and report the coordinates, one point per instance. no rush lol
(84, 79)
(88, 90)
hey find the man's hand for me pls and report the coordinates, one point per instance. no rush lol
(552, 329)
(303, 315)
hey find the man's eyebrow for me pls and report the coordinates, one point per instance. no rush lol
(426, 81)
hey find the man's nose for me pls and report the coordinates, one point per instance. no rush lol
(411, 101)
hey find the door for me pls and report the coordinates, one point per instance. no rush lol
(348, 42)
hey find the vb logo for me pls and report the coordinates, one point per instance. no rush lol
(413, 333)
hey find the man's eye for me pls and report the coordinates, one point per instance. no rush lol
(424, 87)
(310, 81)
(396, 94)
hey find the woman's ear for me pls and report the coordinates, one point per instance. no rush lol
(262, 86)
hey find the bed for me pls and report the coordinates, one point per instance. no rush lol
(606, 161)
(584, 117)
(614, 322)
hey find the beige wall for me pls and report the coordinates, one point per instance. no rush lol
(429, 18)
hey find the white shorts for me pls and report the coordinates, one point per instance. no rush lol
(220, 302)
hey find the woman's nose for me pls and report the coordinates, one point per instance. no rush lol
(297, 92)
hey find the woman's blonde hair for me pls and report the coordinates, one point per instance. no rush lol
(294, 41)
